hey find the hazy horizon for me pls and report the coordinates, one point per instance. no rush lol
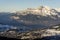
(16, 5)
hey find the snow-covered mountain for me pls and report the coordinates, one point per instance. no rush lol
(42, 15)
(42, 10)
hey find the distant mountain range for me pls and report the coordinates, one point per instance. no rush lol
(42, 16)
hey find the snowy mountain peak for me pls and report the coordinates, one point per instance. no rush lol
(42, 10)
(46, 7)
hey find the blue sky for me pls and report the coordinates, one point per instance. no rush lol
(16, 5)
